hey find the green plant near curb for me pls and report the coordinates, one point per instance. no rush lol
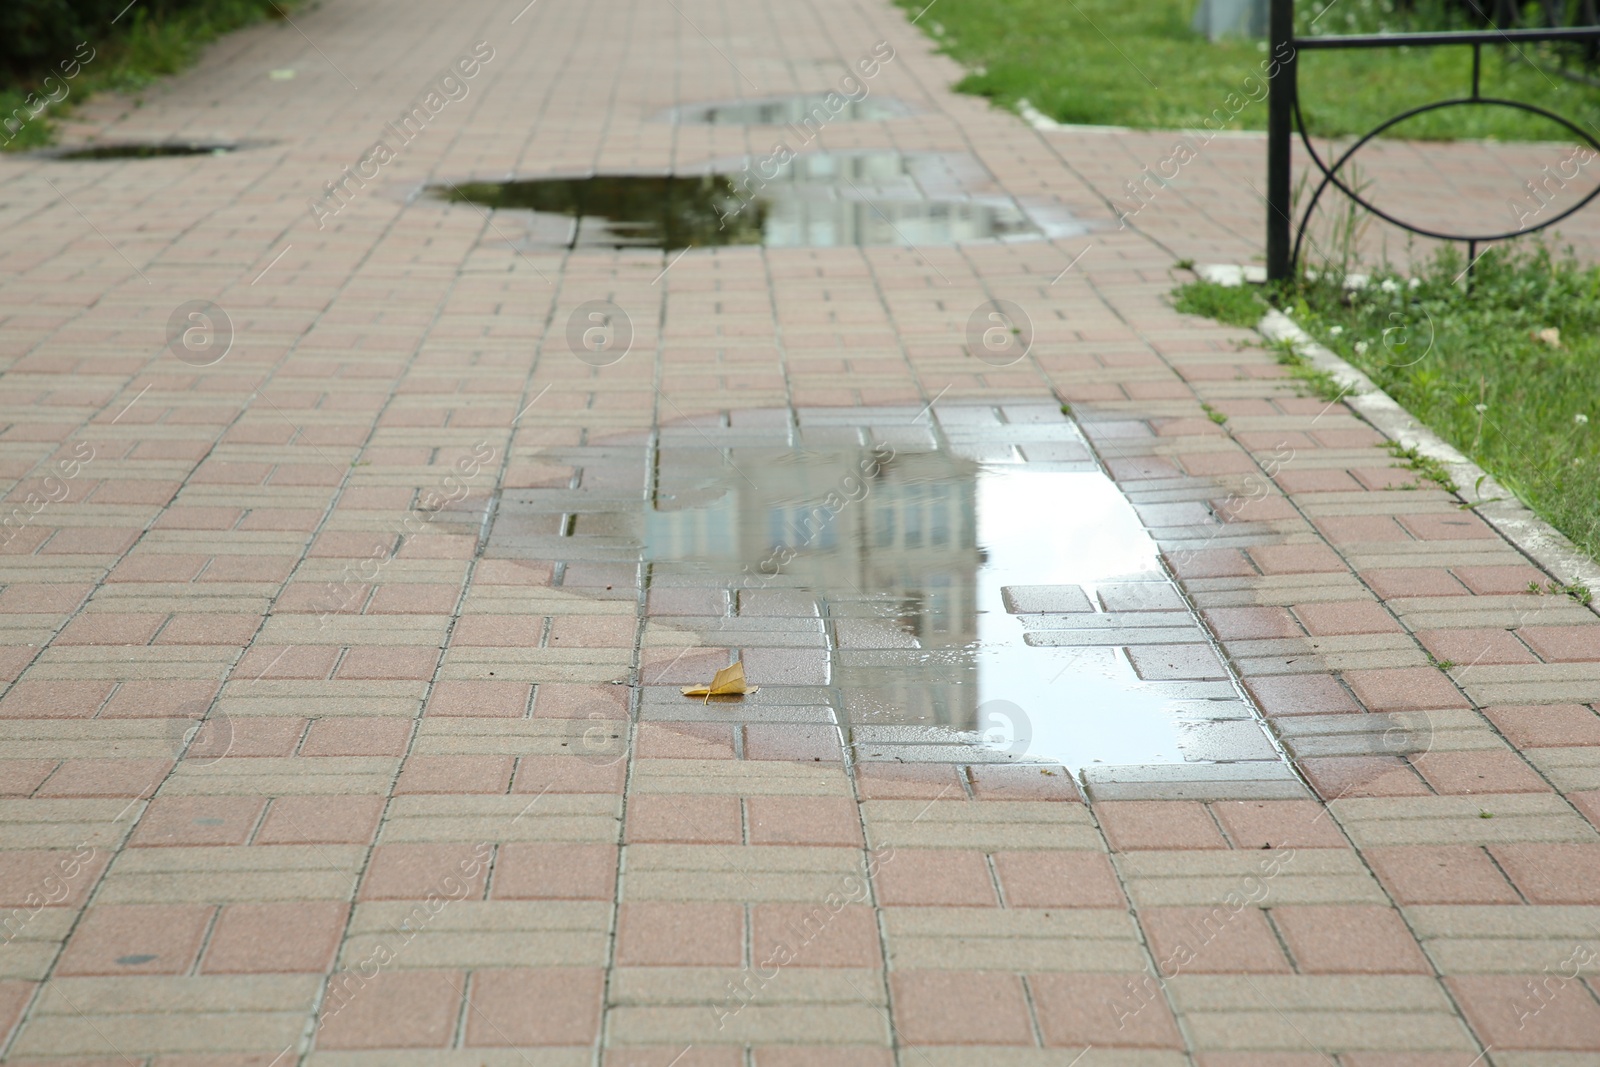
(1236, 305)
(1431, 470)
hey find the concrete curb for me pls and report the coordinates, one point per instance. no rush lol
(1495, 504)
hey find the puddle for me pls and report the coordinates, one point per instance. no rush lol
(143, 151)
(814, 200)
(1009, 607)
(809, 111)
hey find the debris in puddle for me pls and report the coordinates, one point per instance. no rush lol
(728, 682)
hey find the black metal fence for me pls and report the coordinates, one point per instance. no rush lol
(1285, 235)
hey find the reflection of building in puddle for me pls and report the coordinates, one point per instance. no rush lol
(969, 613)
(812, 109)
(888, 545)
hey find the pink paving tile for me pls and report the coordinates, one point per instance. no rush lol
(395, 1009)
(896, 781)
(413, 871)
(53, 699)
(414, 598)
(546, 871)
(1472, 647)
(1360, 529)
(357, 737)
(128, 939)
(1564, 644)
(1509, 1012)
(1003, 782)
(197, 821)
(829, 933)
(224, 736)
(389, 662)
(455, 774)
(298, 937)
(592, 631)
(1278, 824)
(1349, 939)
(960, 1008)
(1251, 623)
(1546, 725)
(684, 818)
(803, 821)
(20, 777)
(1552, 873)
(168, 698)
(553, 700)
(1478, 771)
(209, 629)
(535, 1006)
(1317, 481)
(1158, 824)
(572, 774)
(1412, 581)
(90, 542)
(495, 699)
(31, 878)
(685, 740)
(498, 631)
(343, 820)
(1301, 694)
(1451, 526)
(1331, 618)
(1334, 777)
(1499, 581)
(280, 661)
(1297, 559)
(795, 742)
(659, 934)
(1211, 563)
(1058, 879)
(1103, 1010)
(1217, 940)
(935, 877)
(106, 778)
(1404, 689)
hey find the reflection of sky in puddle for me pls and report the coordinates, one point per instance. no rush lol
(1081, 704)
(911, 576)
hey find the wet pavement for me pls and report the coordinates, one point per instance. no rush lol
(363, 540)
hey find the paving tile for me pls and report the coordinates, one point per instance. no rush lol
(935, 877)
(830, 934)
(534, 1006)
(955, 1008)
(526, 870)
(275, 938)
(660, 934)
(1037, 879)
(341, 820)
(687, 819)
(1158, 824)
(1278, 824)
(803, 821)
(1552, 873)
(1220, 940)
(1104, 1010)
(1349, 939)
(121, 939)
(1441, 874)
(398, 1009)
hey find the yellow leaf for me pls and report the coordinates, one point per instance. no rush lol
(729, 681)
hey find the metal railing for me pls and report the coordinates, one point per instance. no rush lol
(1284, 116)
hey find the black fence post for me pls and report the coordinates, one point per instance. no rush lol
(1280, 121)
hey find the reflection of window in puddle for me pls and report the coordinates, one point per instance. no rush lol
(951, 588)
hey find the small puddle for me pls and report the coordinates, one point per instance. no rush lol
(143, 151)
(813, 200)
(809, 111)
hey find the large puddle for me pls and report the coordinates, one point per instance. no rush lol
(971, 610)
(962, 585)
(813, 199)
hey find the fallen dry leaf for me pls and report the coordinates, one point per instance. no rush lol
(729, 682)
(1550, 335)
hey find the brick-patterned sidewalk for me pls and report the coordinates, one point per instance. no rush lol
(341, 723)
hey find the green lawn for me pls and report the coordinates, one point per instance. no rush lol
(1480, 367)
(1122, 63)
(125, 57)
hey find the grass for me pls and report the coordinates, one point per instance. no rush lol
(142, 50)
(1111, 62)
(1507, 370)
